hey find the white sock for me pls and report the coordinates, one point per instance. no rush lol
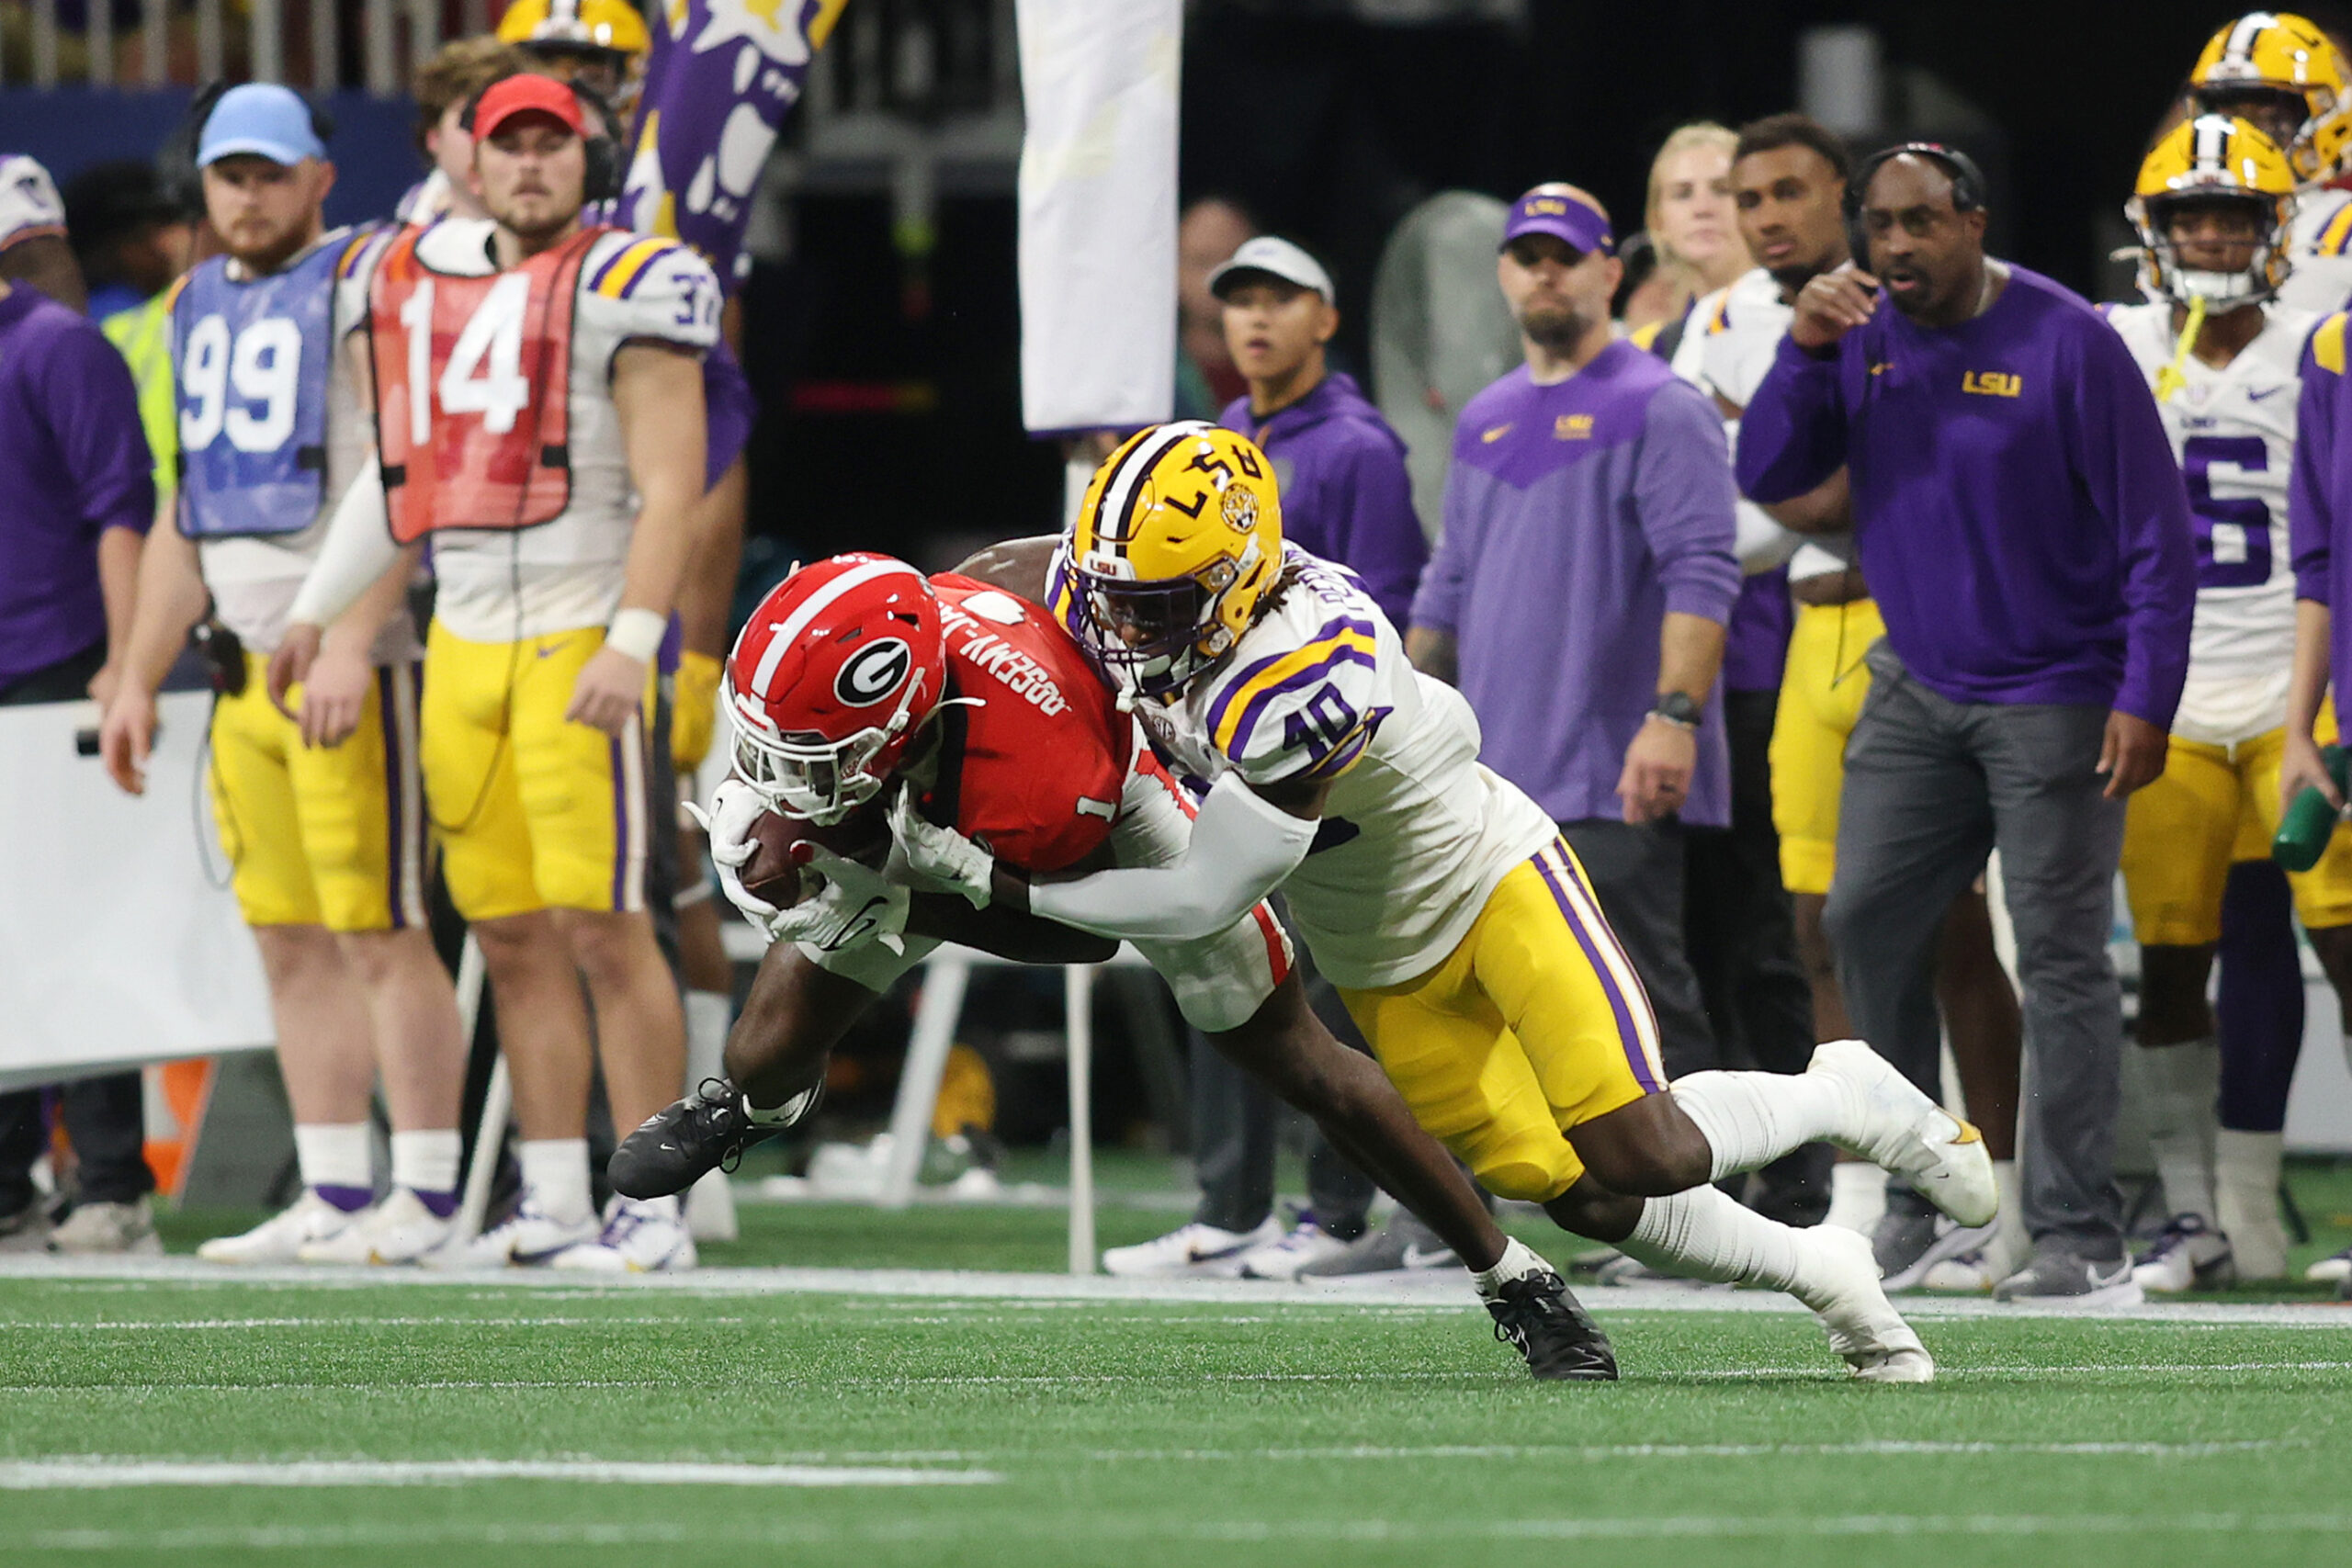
(1857, 1195)
(2183, 1082)
(1702, 1235)
(427, 1161)
(555, 1176)
(1518, 1261)
(664, 1207)
(708, 1016)
(1752, 1118)
(335, 1154)
(2011, 1247)
(2245, 1200)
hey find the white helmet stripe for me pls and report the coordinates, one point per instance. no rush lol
(789, 630)
(2250, 26)
(1110, 518)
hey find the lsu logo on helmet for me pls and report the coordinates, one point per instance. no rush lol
(2203, 160)
(1177, 543)
(2265, 57)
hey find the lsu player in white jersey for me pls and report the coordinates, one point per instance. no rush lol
(2222, 352)
(323, 824)
(541, 418)
(1459, 929)
(2284, 76)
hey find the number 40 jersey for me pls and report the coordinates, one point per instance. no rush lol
(1415, 833)
(2233, 430)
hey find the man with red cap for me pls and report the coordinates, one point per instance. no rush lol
(541, 416)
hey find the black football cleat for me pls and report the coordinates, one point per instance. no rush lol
(706, 1131)
(1538, 1315)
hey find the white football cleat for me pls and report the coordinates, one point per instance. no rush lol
(2190, 1256)
(641, 1235)
(1900, 1130)
(1193, 1251)
(1306, 1242)
(1840, 1284)
(528, 1239)
(401, 1229)
(282, 1238)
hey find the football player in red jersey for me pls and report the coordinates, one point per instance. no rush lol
(859, 685)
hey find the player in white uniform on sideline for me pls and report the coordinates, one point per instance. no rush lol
(541, 419)
(1439, 899)
(2284, 76)
(2222, 356)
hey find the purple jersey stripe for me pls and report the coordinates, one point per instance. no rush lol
(597, 277)
(1240, 682)
(387, 722)
(621, 830)
(1305, 680)
(1628, 1039)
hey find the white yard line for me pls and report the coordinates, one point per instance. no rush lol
(938, 1289)
(98, 1473)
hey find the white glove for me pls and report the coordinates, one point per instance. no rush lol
(942, 854)
(857, 904)
(734, 806)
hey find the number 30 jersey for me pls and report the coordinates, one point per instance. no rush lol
(518, 393)
(2233, 430)
(1415, 832)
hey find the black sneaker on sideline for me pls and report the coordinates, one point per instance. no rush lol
(706, 1131)
(1538, 1316)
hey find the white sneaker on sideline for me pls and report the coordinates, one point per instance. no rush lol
(641, 1236)
(94, 1228)
(401, 1229)
(2190, 1256)
(1193, 1251)
(1901, 1129)
(1306, 1242)
(1841, 1287)
(282, 1238)
(528, 1239)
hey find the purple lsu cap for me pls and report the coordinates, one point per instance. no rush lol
(1565, 213)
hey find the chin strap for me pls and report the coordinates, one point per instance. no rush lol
(2173, 377)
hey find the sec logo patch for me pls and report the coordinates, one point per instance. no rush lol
(873, 672)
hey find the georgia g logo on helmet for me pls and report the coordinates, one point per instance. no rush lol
(873, 673)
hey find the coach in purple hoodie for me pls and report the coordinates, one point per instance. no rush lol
(1346, 496)
(2022, 524)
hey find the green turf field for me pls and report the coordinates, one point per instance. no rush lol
(353, 1422)
(739, 1416)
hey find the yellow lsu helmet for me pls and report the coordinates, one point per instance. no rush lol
(1177, 543)
(2270, 53)
(575, 26)
(2212, 158)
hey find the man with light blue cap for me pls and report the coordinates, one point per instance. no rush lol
(323, 818)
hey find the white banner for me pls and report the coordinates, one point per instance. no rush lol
(119, 942)
(1098, 212)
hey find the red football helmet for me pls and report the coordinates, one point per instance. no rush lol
(831, 677)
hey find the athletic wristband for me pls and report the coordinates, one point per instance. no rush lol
(638, 634)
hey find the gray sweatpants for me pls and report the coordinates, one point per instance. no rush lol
(1932, 787)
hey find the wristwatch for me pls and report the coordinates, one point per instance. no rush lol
(1678, 708)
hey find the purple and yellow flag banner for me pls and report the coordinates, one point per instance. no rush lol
(722, 76)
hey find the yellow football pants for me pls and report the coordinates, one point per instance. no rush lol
(533, 811)
(1821, 698)
(331, 836)
(2215, 805)
(1535, 1023)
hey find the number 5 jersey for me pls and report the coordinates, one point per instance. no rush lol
(498, 431)
(2233, 430)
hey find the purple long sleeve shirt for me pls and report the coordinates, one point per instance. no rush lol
(1346, 495)
(1577, 516)
(2319, 500)
(2016, 508)
(73, 463)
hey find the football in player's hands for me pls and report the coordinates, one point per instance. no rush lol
(781, 847)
